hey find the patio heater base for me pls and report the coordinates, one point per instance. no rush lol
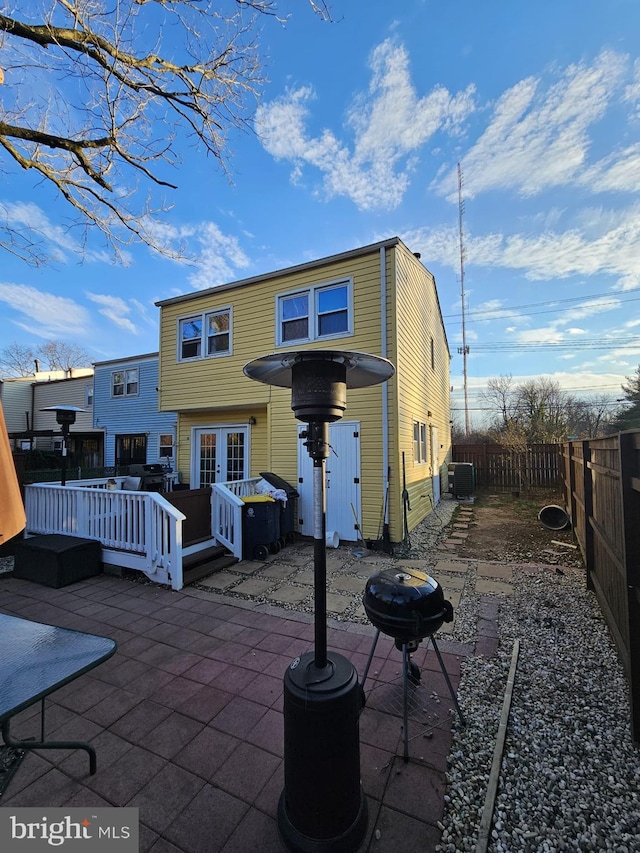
(322, 808)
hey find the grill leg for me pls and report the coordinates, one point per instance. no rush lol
(448, 680)
(369, 659)
(406, 669)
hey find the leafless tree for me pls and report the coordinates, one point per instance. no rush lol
(17, 360)
(541, 411)
(62, 356)
(21, 360)
(99, 96)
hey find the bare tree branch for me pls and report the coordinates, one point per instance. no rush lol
(95, 93)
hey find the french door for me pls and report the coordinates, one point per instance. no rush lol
(219, 454)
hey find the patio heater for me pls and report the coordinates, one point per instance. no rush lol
(65, 416)
(322, 808)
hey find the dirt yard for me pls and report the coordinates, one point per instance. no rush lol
(507, 528)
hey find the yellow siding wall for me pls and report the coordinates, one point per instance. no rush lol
(423, 390)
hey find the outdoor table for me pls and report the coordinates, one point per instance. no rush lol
(36, 660)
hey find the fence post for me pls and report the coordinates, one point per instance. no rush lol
(571, 484)
(629, 450)
(588, 511)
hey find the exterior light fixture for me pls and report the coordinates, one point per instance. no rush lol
(65, 416)
(322, 807)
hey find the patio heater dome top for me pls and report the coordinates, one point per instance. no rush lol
(362, 369)
(319, 378)
(65, 415)
(62, 409)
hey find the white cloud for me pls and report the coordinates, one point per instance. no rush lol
(538, 135)
(546, 256)
(115, 309)
(390, 123)
(60, 242)
(216, 257)
(43, 314)
(618, 172)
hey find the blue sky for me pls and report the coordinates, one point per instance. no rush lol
(357, 138)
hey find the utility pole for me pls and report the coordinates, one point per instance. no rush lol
(464, 349)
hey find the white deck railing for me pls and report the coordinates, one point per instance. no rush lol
(226, 512)
(137, 530)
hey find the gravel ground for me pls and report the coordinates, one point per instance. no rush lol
(570, 775)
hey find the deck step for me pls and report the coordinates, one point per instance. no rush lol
(212, 553)
(207, 564)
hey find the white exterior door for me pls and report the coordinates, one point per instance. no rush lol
(219, 454)
(435, 463)
(342, 482)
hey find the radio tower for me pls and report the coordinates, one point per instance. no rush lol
(464, 349)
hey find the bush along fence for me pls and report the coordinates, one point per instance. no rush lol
(602, 495)
(538, 466)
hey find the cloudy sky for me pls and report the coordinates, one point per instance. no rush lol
(358, 137)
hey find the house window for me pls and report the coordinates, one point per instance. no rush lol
(191, 337)
(124, 383)
(205, 335)
(166, 445)
(294, 314)
(218, 332)
(419, 442)
(322, 311)
(88, 397)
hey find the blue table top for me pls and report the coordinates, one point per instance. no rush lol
(36, 659)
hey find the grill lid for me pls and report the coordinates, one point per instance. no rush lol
(406, 604)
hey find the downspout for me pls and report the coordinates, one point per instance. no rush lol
(385, 399)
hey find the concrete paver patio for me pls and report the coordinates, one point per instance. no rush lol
(187, 721)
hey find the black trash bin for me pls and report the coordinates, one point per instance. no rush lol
(260, 527)
(288, 509)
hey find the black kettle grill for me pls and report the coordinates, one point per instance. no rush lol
(408, 605)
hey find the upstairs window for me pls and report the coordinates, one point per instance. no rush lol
(205, 335)
(322, 311)
(294, 312)
(218, 326)
(124, 383)
(191, 337)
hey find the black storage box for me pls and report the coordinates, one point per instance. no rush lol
(56, 560)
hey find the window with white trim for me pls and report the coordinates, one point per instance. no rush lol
(205, 335)
(419, 442)
(124, 383)
(320, 311)
(165, 445)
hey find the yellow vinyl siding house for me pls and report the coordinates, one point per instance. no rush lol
(378, 299)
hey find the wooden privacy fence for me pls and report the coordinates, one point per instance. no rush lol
(602, 495)
(538, 467)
